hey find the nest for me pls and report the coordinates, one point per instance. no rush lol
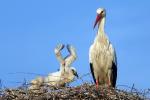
(85, 91)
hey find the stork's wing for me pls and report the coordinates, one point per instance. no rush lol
(115, 57)
(71, 57)
(59, 57)
(114, 74)
(92, 72)
(114, 68)
(57, 50)
(91, 63)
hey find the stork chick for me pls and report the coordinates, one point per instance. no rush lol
(36, 84)
(65, 75)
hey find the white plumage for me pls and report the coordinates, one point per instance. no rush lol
(66, 74)
(36, 84)
(102, 56)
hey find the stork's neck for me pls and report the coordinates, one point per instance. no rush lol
(101, 27)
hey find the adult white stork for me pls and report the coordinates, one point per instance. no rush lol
(102, 56)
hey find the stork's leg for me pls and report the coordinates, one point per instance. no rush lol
(109, 80)
(109, 77)
(109, 84)
(97, 85)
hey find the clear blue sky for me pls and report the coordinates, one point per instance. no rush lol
(30, 30)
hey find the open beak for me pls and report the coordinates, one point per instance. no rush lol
(98, 18)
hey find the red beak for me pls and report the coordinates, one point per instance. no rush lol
(98, 18)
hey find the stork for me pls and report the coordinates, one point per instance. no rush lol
(36, 84)
(67, 73)
(102, 55)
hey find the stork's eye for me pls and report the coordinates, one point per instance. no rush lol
(102, 11)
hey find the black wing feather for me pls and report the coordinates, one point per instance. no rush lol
(114, 79)
(92, 71)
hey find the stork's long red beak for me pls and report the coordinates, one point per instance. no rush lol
(98, 18)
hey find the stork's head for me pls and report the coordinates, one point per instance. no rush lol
(101, 13)
(74, 71)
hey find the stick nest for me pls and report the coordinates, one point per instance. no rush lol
(85, 91)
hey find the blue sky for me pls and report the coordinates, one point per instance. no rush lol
(30, 30)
